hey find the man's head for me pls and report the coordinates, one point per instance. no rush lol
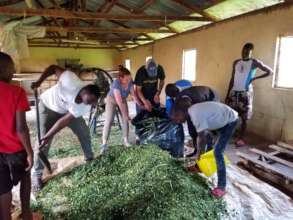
(247, 51)
(89, 94)
(7, 68)
(151, 68)
(179, 113)
(172, 90)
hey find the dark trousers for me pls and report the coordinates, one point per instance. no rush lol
(225, 135)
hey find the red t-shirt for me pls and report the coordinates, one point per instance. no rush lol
(12, 99)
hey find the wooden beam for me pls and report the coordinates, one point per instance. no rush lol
(100, 39)
(9, 2)
(104, 30)
(285, 145)
(56, 13)
(281, 150)
(274, 158)
(195, 9)
(81, 42)
(71, 46)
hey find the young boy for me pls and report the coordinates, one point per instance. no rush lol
(209, 116)
(16, 155)
(240, 91)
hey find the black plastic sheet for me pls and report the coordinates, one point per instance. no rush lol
(157, 128)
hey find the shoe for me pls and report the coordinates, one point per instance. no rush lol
(137, 141)
(218, 192)
(37, 184)
(103, 149)
(240, 143)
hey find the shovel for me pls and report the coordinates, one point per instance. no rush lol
(43, 158)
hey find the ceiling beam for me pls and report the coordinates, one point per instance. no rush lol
(195, 9)
(104, 30)
(81, 42)
(93, 16)
(72, 46)
(120, 40)
(9, 2)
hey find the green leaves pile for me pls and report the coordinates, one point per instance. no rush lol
(129, 183)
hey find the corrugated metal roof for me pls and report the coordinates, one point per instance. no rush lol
(222, 10)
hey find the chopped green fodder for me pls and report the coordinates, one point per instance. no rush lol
(65, 143)
(129, 183)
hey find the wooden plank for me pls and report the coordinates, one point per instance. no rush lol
(276, 180)
(66, 14)
(280, 149)
(265, 165)
(104, 30)
(277, 159)
(285, 145)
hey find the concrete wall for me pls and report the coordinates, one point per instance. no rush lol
(42, 57)
(217, 47)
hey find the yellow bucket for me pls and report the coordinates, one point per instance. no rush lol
(207, 163)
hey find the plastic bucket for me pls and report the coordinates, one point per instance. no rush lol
(207, 163)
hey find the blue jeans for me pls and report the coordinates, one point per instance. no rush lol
(225, 134)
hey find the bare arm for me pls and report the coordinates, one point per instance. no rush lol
(59, 125)
(23, 134)
(122, 106)
(49, 71)
(231, 81)
(201, 142)
(134, 95)
(268, 71)
(161, 85)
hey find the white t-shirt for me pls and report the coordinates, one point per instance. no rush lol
(60, 98)
(211, 115)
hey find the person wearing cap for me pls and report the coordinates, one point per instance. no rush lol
(149, 82)
(172, 90)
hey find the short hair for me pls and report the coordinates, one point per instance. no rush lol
(181, 105)
(92, 89)
(5, 60)
(53, 68)
(248, 46)
(171, 90)
(123, 71)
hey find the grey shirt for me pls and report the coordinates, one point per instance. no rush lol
(211, 115)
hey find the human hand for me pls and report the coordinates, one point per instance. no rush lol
(148, 106)
(35, 85)
(30, 162)
(44, 141)
(157, 98)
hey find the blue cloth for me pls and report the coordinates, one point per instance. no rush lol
(181, 85)
(225, 134)
(117, 85)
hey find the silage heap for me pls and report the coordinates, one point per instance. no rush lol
(129, 183)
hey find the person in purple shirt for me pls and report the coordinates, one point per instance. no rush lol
(117, 96)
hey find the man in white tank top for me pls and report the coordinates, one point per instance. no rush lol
(240, 92)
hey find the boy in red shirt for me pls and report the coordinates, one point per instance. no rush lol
(16, 155)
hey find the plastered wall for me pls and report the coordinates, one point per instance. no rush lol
(42, 57)
(217, 47)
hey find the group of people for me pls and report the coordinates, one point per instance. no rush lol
(64, 104)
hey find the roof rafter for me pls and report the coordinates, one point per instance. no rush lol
(93, 16)
(104, 30)
(195, 9)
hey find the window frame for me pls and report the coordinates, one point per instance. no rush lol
(183, 64)
(277, 63)
(129, 64)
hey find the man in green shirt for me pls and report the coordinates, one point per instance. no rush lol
(149, 82)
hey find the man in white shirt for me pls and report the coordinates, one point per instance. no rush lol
(240, 92)
(63, 105)
(209, 116)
